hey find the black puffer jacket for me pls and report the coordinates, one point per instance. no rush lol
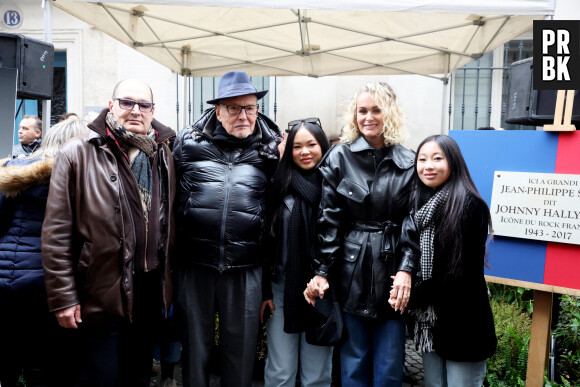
(222, 194)
(363, 237)
(23, 194)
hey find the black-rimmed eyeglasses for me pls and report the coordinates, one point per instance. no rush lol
(235, 110)
(311, 120)
(129, 104)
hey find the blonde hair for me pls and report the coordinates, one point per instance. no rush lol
(58, 135)
(393, 117)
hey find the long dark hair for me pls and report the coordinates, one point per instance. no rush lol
(460, 185)
(287, 167)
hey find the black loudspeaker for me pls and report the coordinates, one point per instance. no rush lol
(526, 106)
(34, 61)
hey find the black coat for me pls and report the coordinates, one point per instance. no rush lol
(465, 329)
(363, 240)
(221, 195)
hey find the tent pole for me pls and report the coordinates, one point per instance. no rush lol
(447, 90)
(176, 101)
(184, 102)
(46, 106)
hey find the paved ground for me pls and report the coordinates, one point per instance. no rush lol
(413, 366)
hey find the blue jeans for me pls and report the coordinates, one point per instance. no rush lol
(440, 372)
(373, 354)
(286, 350)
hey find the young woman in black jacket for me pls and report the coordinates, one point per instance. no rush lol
(295, 198)
(454, 324)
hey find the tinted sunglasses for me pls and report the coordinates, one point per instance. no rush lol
(311, 120)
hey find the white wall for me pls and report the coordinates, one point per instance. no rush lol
(328, 98)
(567, 10)
(95, 61)
(133, 64)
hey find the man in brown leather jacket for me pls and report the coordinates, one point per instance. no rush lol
(108, 236)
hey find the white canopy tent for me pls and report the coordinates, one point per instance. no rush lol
(322, 38)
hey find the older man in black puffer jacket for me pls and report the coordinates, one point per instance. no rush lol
(224, 163)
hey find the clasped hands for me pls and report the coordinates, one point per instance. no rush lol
(398, 296)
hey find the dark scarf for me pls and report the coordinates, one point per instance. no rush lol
(306, 187)
(32, 146)
(140, 149)
(224, 139)
(426, 218)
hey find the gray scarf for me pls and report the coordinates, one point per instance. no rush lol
(426, 218)
(139, 148)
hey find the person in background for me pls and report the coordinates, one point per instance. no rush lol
(69, 115)
(453, 220)
(29, 136)
(294, 202)
(29, 331)
(108, 236)
(364, 244)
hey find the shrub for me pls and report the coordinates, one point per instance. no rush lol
(567, 339)
(512, 327)
(522, 297)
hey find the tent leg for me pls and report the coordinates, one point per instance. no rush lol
(46, 104)
(185, 95)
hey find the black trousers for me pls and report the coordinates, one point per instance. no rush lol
(32, 343)
(120, 353)
(236, 296)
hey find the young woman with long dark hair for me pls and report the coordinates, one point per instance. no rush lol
(454, 326)
(295, 198)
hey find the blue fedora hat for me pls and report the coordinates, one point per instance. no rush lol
(235, 84)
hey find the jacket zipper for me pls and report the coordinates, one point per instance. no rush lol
(146, 217)
(224, 216)
(372, 263)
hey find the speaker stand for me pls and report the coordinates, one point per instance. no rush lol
(564, 97)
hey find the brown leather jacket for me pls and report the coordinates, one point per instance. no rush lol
(91, 231)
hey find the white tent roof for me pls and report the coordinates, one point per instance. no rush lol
(300, 37)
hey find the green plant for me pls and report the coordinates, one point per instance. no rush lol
(522, 297)
(262, 349)
(261, 345)
(568, 340)
(507, 367)
(549, 383)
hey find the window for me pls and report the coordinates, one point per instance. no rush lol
(202, 89)
(472, 94)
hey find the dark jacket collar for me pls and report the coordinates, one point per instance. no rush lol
(401, 156)
(99, 126)
(266, 131)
